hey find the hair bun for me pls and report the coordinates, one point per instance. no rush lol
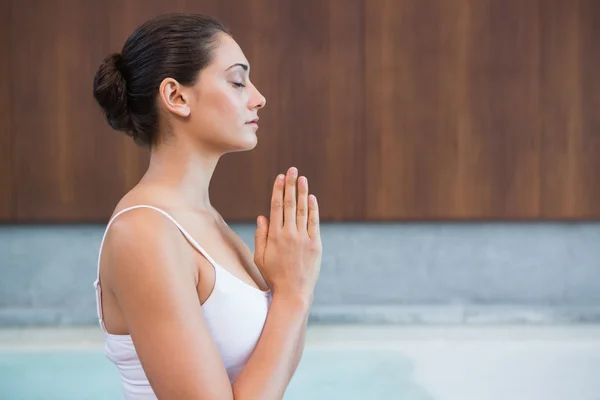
(110, 91)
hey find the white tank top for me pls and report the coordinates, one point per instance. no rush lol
(235, 313)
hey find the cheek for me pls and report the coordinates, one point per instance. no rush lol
(221, 110)
(229, 104)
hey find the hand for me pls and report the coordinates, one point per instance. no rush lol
(288, 247)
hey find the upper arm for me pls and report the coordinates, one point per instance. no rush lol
(150, 271)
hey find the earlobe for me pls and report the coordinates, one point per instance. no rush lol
(185, 111)
(184, 104)
(179, 105)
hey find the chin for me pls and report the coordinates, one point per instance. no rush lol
(248, 143)
(251, 144)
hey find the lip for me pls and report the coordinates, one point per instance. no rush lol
(253, 121)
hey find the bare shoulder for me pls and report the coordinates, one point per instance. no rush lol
(143, 223)
(145, 250)
(141, 235)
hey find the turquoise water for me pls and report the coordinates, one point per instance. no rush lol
(348, 363)
(323, 374)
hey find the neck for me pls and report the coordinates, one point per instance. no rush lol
(184, 171)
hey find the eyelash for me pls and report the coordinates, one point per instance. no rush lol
(239, 85)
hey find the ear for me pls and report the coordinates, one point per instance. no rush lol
(174, 97)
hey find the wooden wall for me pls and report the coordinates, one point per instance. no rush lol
(394, 109)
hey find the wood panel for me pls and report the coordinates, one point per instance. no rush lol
(590, 45)
(562, 117)
(6, 173)
(307, 60)
(571, 100)
(395, 110)
(452, 109)
(64, 165)
(500, 174)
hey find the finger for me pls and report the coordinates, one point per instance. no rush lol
(302, 207)
(313, 217)
(289, 199)
(277, 202)
(260, 239)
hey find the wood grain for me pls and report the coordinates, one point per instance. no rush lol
(589, 28)
(6, 134)
(59, 164)
(501, 149)
(411, 107)
(452, 109)
(394, 110)
(571, 100)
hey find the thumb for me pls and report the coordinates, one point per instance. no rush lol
(260, 239)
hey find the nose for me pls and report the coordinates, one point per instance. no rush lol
(257, 101)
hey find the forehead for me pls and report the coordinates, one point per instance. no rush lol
(227, 53)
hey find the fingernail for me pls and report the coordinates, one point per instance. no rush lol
(294, 172)
(280, 178)
(258, 223)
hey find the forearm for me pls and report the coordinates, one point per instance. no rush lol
(299, 347)
(269, 370)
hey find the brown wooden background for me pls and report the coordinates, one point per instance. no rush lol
(394, 109)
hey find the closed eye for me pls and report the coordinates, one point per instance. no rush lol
(238, 84)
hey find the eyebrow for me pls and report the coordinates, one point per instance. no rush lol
(244, 66)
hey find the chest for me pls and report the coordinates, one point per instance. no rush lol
(226, 248)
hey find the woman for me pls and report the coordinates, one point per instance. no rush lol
(188, 311)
